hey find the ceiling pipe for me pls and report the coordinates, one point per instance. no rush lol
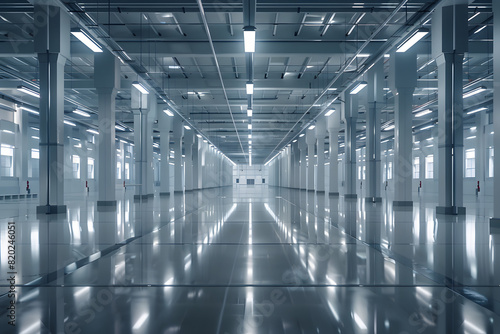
(205, 24)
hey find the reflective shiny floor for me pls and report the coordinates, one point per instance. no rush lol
(250, 259)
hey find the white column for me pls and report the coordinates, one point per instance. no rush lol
(449, 43)
(333, 133)
(165, 123)
(52, 46)
(106, 82)
(320, 144)
(178, 168)
(303, 163)
(403, 77)
(495, 221)
(139, 106)
(376, 78)
(310, 140)
(188, 160)
(351, 115)
(196, 163)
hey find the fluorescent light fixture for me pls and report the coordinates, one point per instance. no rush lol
(473, 128)
(479, 29)
(8, 131)
(389, 128)
(412, 40)
(427, 127)
(249, 136)
(33, 128)
(476, 110)
(249, 88)
(294, 141)
(249, 38)
(471, 137)
(93, 131)
(69, 123)
(358, 87)
(156, 145)
(81, 113)
(87, 40)
(35, 137)
(474, 91)
(301, 135)
(205, 141)
(187, 127)
(119, 127)
(329, 112)
(423, 113)
(28, 91)
(350, 30)
(249, 112)
(140, 321)
(249, 142)
(140, 87)
(33, 111)
(198, 135)
(311, 127)
(174, 67)
(363, 55)
(168, 112)
(474, 16)
(249, 126)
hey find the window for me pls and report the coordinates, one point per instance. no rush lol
(7, 160)
(76, 166)
(491, 160)
(35, 153)
(90, 168)
(429, 167)
(470, 163)
(127, 171)
(389, 170)
(416, 168)
(119, 170)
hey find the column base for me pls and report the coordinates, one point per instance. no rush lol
(351, 196)
(181, 191)
(51, 209)
(320, 191)
(450, 210)
(373, 199)
(494, 222)
(311, 190)
(334, 194)
(106, 203)
(165, 194)
(402, 203)
(189, 190)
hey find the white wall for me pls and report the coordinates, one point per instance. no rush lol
(256, 172)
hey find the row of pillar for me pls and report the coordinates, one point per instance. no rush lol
(197, 164)
(449, 43)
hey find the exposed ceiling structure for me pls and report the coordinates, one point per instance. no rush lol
(192, 54)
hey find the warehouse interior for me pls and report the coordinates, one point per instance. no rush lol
(208, 166)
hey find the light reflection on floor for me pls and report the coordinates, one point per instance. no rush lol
(251, 260)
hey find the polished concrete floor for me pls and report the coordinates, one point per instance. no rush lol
(251, 259)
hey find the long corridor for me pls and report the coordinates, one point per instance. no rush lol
(252, 259)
